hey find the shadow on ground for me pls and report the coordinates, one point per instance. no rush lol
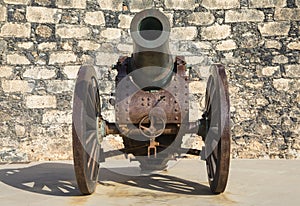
(154, 181)
(47, 178)
(58, 179)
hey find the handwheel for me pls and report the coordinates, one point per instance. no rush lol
(217, 139)
(86, 137)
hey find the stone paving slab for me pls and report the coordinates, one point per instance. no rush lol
(251, 182)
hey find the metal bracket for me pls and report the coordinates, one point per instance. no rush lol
(152, 145)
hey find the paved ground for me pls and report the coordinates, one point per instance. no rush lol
(252, 182)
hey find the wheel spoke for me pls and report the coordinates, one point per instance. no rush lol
(95, 163)
(90, 135)
(92, 153)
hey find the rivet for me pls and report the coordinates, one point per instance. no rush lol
(176, 118)
(143, 104)
(149, 104)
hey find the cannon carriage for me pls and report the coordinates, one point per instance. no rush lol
(151, 109)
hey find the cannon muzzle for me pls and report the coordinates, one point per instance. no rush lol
(151, 62)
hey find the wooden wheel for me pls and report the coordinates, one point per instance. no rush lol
(217, 139)
(86, 137)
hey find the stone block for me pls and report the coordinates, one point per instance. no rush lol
(193, 60)
(2, 13)
(180, 5)
(44, 31)
(183, 33)
(113, 5)
(21, 86)
(197, 87)
(71, 71)
(111, 34)
(274, 28)
(17, 59)
(20, 130)
(226, 45)
(72, 31)
(95, 18)
(125, 48)
(59, 86)
(5, 71)
(269, 71)
(201, 18)
(282, 14)
(292, 71)
(282, 84)
(43, 15)
(87, 45)
(25, 45)
(295, 45)
(221, 4)
(139, 5)
(273, 44)
(280, 59)
(17, 2)
(40, 101)
(203, 45)
(72, 4)
(106, 59)
(215, 32)
(266, 3)
(45, 46)
(15, 30)
(244, 15)
(125, 21)
(62, 58)
(57, 117)
(39, 73)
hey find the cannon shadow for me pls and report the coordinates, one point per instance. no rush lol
(58, 179)
(153, 181)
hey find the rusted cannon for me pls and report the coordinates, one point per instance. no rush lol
(151, 109)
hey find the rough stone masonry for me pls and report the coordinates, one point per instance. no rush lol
(44, 42)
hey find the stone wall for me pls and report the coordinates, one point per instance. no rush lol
(44, 42)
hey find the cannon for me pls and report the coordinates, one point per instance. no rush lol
(151, 105)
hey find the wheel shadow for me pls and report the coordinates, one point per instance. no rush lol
(58, 179)
(154, 181)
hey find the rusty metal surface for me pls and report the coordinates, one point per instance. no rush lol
(133, 104)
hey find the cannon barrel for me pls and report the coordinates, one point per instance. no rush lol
(151, 62)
